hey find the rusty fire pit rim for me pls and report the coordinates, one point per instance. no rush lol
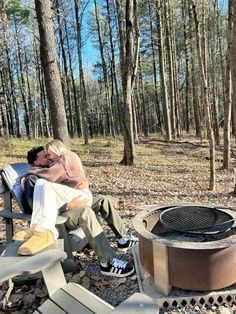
(138, 222)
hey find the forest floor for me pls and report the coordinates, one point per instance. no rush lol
(164, 172)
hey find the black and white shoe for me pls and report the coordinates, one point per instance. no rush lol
(126, 243)
(116, 268)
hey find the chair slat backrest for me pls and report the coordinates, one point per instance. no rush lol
(11, 175)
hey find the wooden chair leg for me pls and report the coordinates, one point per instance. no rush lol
(53, 277)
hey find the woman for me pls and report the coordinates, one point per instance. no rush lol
(64, 181)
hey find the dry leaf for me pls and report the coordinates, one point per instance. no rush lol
(28, 299)
(99, 282)
(40, 292)
(86, 282)
(119, 281)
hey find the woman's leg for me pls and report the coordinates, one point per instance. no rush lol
(48, 198)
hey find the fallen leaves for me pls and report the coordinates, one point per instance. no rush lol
(99, 282)
(163, 173)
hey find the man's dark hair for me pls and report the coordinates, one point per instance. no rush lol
(32, 154)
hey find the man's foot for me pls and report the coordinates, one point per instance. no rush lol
(116, 268)
(36, 243)
(126, 243)
(24, 234)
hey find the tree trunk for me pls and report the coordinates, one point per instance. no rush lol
(83, 95)
(78, 118)
(142, 100)
(194, 77)
(12, 113)
(233, 66)
(113, 69)
(166, 110)
(50, 69)
(64, 76)
(157, 106)
(110, 121)
(22, 85)
(206, 101)
(187, 74)
(170, 67)
(228, 82)
(126, 61)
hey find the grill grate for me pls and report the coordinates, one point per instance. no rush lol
(196, 219)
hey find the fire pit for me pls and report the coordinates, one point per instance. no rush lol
(199, 259)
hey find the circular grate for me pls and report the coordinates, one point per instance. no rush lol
(196, 219)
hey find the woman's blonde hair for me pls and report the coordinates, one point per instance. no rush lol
(57, 147)
(60, 149)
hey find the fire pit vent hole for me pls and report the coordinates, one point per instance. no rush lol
(220, 299)
(201, 301)
(211, 300)
(175, 303)
(165, 305)
(183, 303)
(229, 298)
(193, 302)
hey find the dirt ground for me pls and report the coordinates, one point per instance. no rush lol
(176, 172)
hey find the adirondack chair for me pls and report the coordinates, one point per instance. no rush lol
(69, 298)
(10, 189)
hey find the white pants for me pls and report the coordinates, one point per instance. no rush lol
(48, 198)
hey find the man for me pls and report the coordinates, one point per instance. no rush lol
(36, 157)
(105, 205)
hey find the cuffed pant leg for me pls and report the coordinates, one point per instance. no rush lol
(44, 213)
(94, 233)
(106, 205)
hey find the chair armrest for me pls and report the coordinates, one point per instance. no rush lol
(8, 213)
(30, 265)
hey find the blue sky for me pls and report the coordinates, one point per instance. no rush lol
(89, 53)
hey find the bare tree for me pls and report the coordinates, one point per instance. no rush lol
(228, 82)
(50, 69)
(166, 110)
(110, 120)
(126, 27)
(206, 100)
(83, 93)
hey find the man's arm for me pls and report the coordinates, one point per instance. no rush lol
(55, 173)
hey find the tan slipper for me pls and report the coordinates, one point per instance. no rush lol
(36, 243)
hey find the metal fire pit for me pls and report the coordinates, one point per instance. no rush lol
(193, 262)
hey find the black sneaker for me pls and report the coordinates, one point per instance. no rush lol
(126, 243)
(117, 268)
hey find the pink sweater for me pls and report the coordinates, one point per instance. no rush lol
(70, 172)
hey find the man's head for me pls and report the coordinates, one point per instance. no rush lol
(37, 156)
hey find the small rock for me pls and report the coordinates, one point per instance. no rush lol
(28, 299)
(86, 282)
(134, 277)
(40, 292)
(75, 278)
(15, 298)
(39, 283)
(119, 281)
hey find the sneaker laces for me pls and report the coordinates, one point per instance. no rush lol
(119, 263)
(127, 238)
(131, 238)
